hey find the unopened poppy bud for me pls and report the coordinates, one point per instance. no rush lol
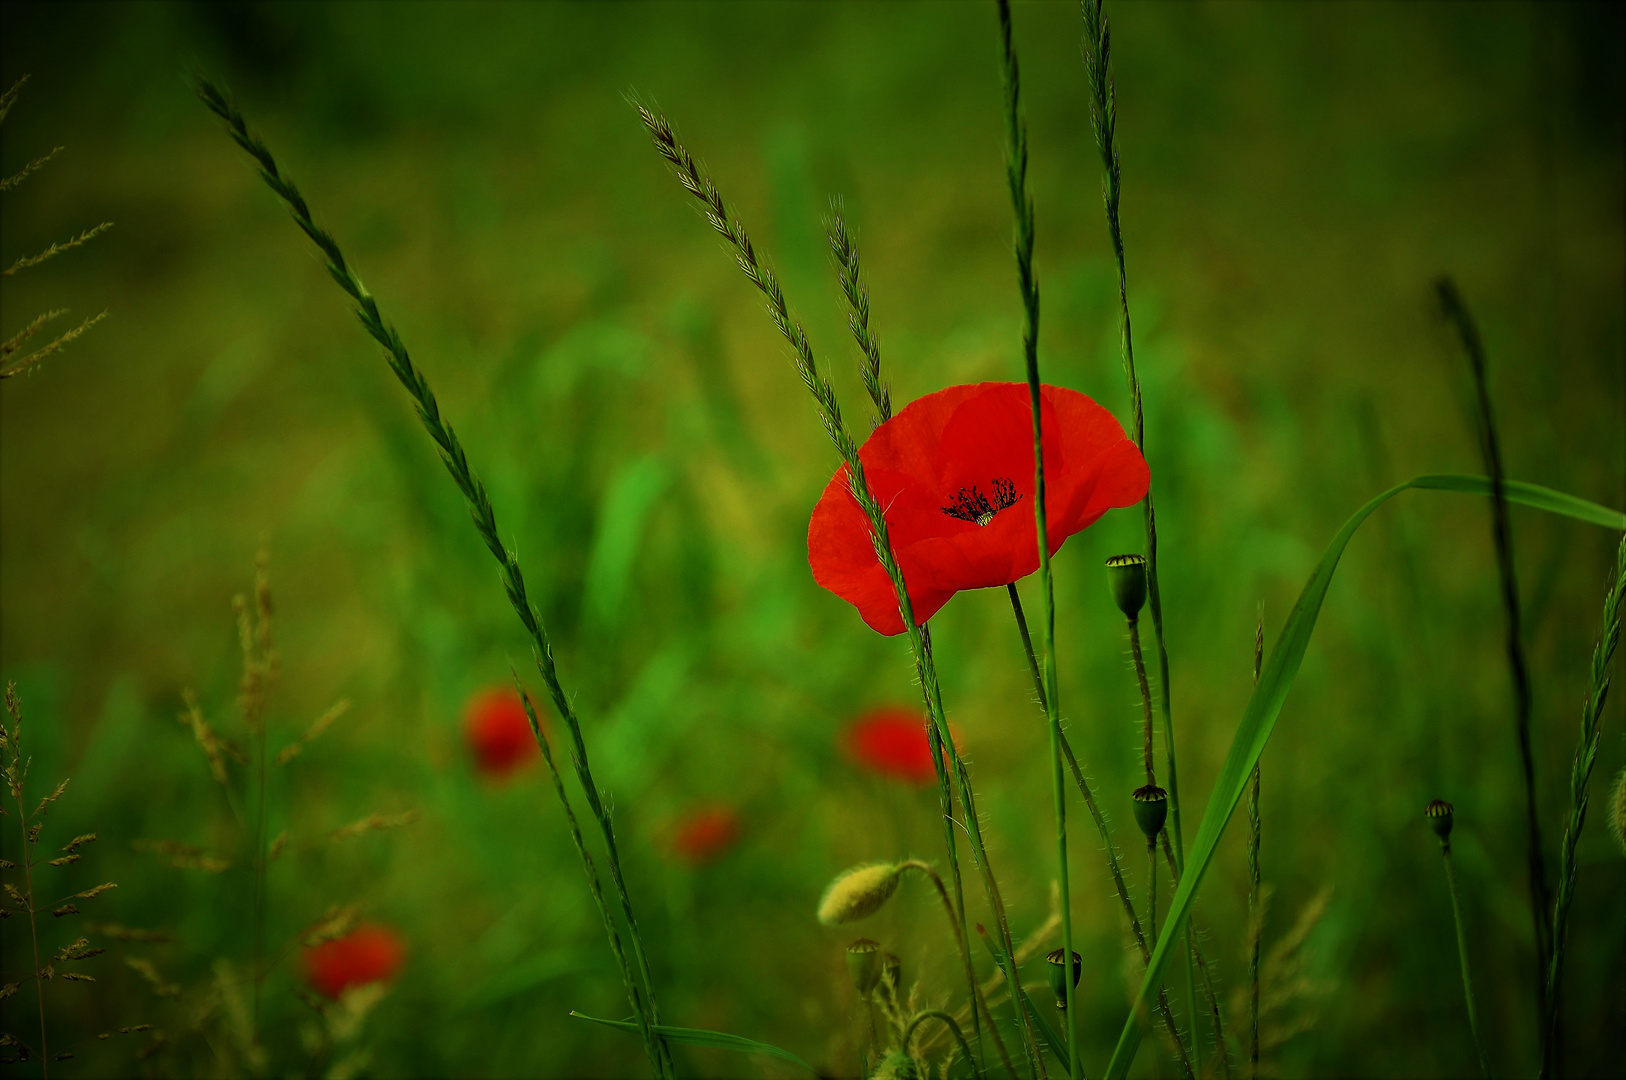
(1055, 967)
(858, 893)
(1127, 576)
(1439, 813)
(864, 965)
(896, 1066)
(1151, 805)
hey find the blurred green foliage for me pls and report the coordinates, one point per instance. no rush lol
(1294, 177)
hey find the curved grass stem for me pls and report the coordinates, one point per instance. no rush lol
(1462, 957)
(485, 523)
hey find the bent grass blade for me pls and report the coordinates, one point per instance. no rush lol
(718, 1040)
(1259, 718)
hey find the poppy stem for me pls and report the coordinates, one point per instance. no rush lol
(1107, 845)
(485, 523)
(1145, 699)
(945, 757)
(1462, 955)
(1016, 171)
(954, 1029)
(1202, 966)
(979, 1000)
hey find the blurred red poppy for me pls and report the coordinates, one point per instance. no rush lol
(954, 474)
(705, 833)
(498, 732)
(367, 954)
(891, 740)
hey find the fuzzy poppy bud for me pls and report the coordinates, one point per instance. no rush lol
(858, 893)
(864, 965)
(1439, 813)
(1127, 576)
(1151, 805)
(1055, 967)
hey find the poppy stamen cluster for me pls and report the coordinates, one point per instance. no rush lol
(973, 506)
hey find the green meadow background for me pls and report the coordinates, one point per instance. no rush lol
(1295, 177)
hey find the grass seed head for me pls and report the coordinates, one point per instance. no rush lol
(1617, 810)
(858, 893)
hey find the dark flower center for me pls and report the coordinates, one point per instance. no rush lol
(973, 506)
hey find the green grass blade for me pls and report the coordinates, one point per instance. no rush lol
(1259, 718)
(701, 1037)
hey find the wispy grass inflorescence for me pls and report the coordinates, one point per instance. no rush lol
(1016, 175)
(1586, 756)
(1104, 114)
(641, 988)
(11, 363)
(844, 246)
(697, 184)
(1490, 449)
(14, 770)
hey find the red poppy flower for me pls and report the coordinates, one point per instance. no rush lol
(367, 954)
(891, 740)
(498, 732)
(706, 832)
(954, 474)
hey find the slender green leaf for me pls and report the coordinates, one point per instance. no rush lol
(1259, 718)
(701, 1037)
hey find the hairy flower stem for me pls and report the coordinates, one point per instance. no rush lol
(954, 1028)
(1462, 955)
(700, 186)
(1490, 448)
(979, 1002)
(1202, 965)
(1255, 915)
(1016, 172)
(1586, 755)
(1165, 1013)
(1145, 700)
(485, 523)
(628, 979)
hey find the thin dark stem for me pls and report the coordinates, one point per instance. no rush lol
(1255, 915)
(480, 509)
(1462, 956)
(1016, 170)
(1119, 885)
(1456, 311)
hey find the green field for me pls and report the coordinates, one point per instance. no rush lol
(1294, 180)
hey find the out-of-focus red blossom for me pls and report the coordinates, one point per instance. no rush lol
(498, 732)
(367, 954)
(705, 833)
(953, 472)
(891, 740)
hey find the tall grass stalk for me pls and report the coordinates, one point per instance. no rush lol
(1165, 1013)
(1586, 755)
(1104, 114)
(1255, 914)
(1490, 449)
(844, 246)
(485, 523)
(1016, 175)
(700, 186)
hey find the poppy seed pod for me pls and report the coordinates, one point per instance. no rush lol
(1055, 968)
(1126, 574)
(1439, 814)
(1151, 805)
(864, 965)
(858, 893)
